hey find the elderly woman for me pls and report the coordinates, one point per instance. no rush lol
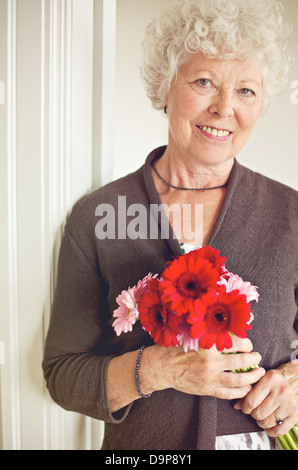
(212, 66)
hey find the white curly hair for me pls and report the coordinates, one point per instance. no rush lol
(223, 29)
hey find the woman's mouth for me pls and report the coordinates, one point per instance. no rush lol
(215, 133)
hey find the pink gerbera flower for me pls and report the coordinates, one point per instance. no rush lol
(140, 288)
(235, 282)
(127, 313)
(184, 337)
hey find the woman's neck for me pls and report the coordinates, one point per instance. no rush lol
(192, 173)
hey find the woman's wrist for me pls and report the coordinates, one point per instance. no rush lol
(121, 378)
(146, 366)
(137, 379)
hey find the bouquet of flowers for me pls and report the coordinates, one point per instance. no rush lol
(195, 303)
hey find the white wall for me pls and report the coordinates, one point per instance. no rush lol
(51, 64)
(272, 149)
(138, 127)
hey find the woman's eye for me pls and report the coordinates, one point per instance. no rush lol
(204, 82)
(247, 92)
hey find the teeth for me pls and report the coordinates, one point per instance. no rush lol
(215, 132)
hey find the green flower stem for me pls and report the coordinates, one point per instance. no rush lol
(282, 442)
(245, 370)
(294, 432)
(290, 440)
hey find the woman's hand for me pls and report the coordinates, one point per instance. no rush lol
(203, 372)
(273, 398)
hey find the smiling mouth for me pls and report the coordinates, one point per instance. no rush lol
(215, 132)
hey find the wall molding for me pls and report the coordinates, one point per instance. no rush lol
(10, 371)
(63, 430)
(49, 116)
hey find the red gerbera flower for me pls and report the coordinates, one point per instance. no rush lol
(157, 318)
(212, 255)
(186, 279)
(217, 315)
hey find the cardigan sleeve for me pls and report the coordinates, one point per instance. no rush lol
(74, 371)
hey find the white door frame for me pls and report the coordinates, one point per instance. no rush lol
(56, 112)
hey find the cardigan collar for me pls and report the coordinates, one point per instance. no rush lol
(154, 197)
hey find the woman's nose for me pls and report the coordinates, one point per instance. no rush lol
(222, 105)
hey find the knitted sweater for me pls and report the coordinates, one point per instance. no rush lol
(257, 231)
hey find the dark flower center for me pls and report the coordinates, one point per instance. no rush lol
(218, 318)
(188, 286)
(161, 317)
(221, 317)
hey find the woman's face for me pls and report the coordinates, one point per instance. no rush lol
(212, 107)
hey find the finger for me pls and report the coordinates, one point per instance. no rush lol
(254, 399)
(282, 429)
(272, 420)
(242, 379)
(238, 405)
(240, 345)
(228, 393)
(268, 411)
(241, 361)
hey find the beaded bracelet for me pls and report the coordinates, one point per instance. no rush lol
(137, 374)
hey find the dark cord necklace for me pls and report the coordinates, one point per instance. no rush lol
(186, 189)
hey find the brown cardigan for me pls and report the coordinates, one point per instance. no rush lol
(257, 230)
